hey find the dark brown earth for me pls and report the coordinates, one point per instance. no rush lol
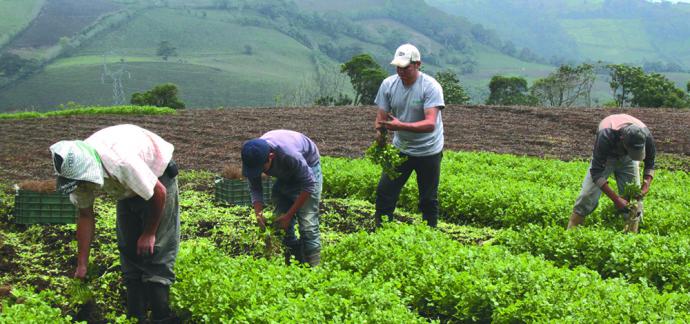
(210, 139)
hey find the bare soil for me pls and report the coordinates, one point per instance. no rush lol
(210, 139)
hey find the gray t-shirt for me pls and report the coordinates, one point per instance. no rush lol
(408, 105)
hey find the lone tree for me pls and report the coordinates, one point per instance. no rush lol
(164, 95)
(453, 93)
(623, 80)
(366, 76)
(509, 91)
(566, 86)
(165, 49)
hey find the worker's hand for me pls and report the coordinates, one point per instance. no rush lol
(261, 221)
(644, 191)
(621, 204)
(145, 244)
(80, 273)
(283, 221)
(392, 123)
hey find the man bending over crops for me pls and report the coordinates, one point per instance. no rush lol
(134, 166)
(294, 160)
(410, 104)
(621, 142)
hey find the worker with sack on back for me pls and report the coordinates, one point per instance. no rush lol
(134, 166)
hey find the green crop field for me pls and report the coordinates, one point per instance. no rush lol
(499, 254)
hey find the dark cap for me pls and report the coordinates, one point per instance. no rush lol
(634, 139)
(254, 155)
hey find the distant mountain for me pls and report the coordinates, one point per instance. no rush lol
(622, 31)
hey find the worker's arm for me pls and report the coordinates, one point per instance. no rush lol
(86, 226)
(618, 201)
(426, 125)
(147, 240)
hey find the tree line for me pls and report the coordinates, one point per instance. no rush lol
(567, 86)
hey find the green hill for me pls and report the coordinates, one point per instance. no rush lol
(279, 52)
(620, 31)
(16, 15)
(237, 53)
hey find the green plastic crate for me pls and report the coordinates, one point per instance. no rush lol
(43, 208)
(236, 192)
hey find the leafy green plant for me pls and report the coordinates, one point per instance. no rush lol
(659, 261)
(214, 288)
(386, 155)
(26, 306)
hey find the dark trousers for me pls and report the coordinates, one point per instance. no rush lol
(428, 170)
(132, 216)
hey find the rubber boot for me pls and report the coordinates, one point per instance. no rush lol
(378, 218)
(136, 301)
(314, 259)
(632, 226)
(632, 221)
(295, 251)
(575, 220)
(159, 295)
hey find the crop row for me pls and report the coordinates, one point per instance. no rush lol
(659, 261)
(500, 190)
(92, 110)
(378, 276)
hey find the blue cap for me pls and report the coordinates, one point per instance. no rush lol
(254, 155)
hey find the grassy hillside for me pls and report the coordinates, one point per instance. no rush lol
(250, 55)
(212, 69)
(619, 40)
(16, 15)
(630, 31)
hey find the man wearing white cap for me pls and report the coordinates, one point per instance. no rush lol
(134, 166)
(410, 104)
(622, 141)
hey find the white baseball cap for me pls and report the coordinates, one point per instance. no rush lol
(405, 54)
(75, 161)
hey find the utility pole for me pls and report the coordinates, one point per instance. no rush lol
(115, 75)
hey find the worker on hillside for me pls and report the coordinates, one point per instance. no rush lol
(410, 104)
(134, 166)
(621, 142)
(294, 160)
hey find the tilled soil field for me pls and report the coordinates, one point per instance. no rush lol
(210, 139)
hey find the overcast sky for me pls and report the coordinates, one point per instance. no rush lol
(686, 1)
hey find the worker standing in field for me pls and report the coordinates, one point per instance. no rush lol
(410, 104)
(621, 142)
(294, 160)
(134, 166)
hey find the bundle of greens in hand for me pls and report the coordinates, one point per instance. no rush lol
(386, 155)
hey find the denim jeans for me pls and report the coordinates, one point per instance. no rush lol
(284, 195)
(132, 216)
(624, 169)
(428, 170)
